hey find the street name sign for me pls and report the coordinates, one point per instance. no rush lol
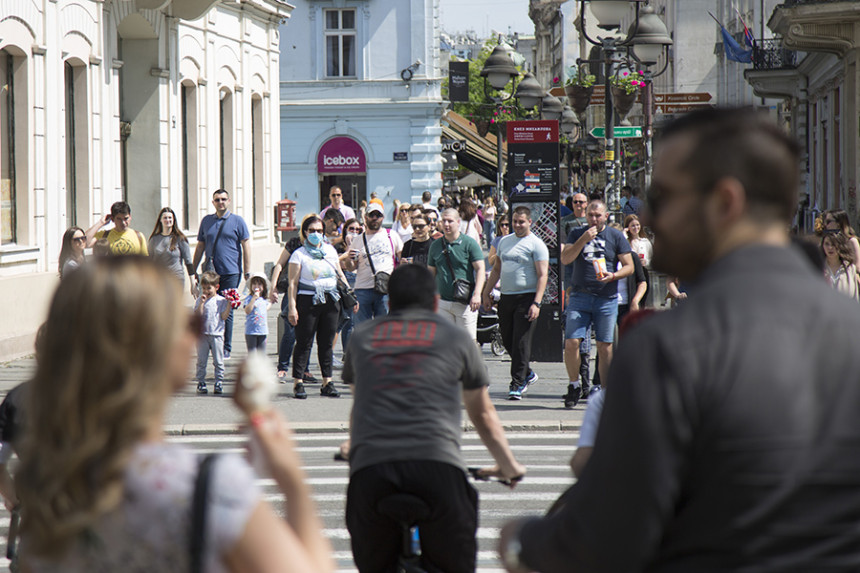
(689, 97)
(680, 107)
(618, 132)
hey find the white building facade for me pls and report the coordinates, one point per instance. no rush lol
(360, 102)
(155, 102)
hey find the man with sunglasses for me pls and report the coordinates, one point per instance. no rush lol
(335, 195)
(715, 453)
(433, 222)
(226, 242)
(382, 247)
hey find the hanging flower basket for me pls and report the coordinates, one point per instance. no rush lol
(483, 127)
(579, 96)
(623, 101)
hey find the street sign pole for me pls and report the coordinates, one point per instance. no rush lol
(609, 142)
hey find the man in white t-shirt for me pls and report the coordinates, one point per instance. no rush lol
(381, 247)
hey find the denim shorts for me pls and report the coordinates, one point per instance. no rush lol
(584, 309)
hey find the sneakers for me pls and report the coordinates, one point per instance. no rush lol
(516, 391)
(226, 355)
(219, 389)
(532, 378)
(309, 378)
(299, 391)
(201, 388)
(329, 390)
(572, 397)
(337, 364)
(283, 376)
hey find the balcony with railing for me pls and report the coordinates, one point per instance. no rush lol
(771, 54)
(790, 3)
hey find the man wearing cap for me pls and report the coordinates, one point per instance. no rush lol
(373, 252)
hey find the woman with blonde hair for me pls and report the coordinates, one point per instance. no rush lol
(102, 489)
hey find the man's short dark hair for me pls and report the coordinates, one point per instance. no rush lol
(120, 208)
(426, 196)
(744, 144)
(219, 192)
(523, 210)
(411, 286)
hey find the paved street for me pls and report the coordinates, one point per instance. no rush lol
(541, 408)
(546, 454)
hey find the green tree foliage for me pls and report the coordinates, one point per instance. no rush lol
(480, 107)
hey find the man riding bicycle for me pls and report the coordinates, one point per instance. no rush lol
(408, 371)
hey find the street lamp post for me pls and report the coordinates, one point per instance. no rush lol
(649, 42)
(609, 14)
(498, 70)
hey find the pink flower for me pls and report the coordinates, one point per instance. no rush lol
(625, 74)
(641, 73)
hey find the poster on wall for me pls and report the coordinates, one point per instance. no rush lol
(458, 81)
(533, 160)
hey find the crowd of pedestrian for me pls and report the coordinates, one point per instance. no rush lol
(704, 445)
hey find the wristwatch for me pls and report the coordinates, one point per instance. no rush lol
(247, 275)
(536, 303)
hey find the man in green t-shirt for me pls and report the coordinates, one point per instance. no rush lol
(457, 256)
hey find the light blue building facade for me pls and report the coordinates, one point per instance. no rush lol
(360, 101)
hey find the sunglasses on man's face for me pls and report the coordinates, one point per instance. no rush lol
(419, 226)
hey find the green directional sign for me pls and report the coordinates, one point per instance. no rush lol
(619, 132)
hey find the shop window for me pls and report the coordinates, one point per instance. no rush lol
(340, 42)
(77, 145)
(13, 148)
(225, 115)
(257, 162)
(190, 183)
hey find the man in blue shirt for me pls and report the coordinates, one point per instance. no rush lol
(593, 249)
(523, 266)
(633, 204)
(225, 240)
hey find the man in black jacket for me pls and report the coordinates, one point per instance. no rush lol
(715, 452)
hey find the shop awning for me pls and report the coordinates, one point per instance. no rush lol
(480, 153)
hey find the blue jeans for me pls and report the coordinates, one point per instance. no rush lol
(586, 309)
(347, 317)
(228, 282)
(370, 304)
(489, 231)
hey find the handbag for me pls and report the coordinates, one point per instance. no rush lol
(461, 287)
(347, 295)
(380, 279)
(209, 262)
(198, 513)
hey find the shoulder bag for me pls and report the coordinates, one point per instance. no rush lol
(209, 263)
(347, 295)
(462, 288)
(380, 279)
(198, 513)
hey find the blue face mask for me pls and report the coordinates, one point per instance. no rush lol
(315, 239)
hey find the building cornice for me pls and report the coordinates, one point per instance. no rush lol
(823, 27)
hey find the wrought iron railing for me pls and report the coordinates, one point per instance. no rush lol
(771, 54)
(790, 3)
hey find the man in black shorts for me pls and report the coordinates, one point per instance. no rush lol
(408, 372)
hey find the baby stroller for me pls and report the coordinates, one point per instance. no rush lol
(488, 328)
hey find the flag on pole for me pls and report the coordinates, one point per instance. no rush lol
(734, 51)
(749, 39)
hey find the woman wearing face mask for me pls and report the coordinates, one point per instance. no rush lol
(314, 304)
(415, 250)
